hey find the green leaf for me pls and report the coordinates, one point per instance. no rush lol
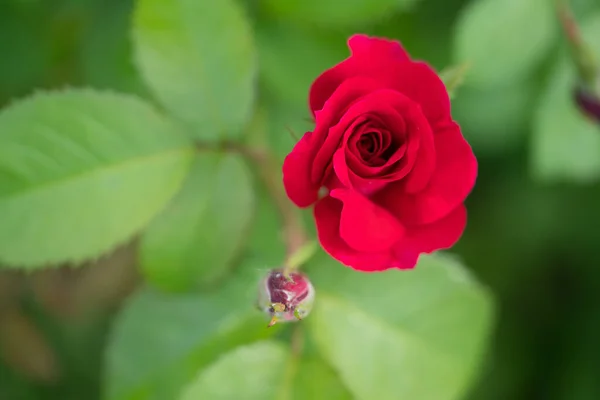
(317, 380)
(388, 334)
(267, 371)
(81, 172)
(160, 341)
(565, 145)
(253, 372)
(199, 60)
(504, 40)
(333, 13)
(195, 241)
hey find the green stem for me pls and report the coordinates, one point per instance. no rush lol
(296, 346)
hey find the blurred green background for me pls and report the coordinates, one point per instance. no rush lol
(534, 214)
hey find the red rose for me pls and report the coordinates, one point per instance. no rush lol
(395, 164)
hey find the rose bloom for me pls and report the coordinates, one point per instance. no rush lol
(395, 165)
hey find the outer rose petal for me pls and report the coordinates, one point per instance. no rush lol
(423, 85)
(364, 48)
(364, 226)
(327, 214)
(415, 79)
(296, 173)
(441, 234)
(453, 179)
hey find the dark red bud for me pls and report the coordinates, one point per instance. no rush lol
(286, 297)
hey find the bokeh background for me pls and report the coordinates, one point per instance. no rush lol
(534, 214)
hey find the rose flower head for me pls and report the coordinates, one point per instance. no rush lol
(396, 167)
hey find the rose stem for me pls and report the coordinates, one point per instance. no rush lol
(296, 345)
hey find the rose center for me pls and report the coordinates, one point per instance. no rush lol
(368, 144)
(374, 146)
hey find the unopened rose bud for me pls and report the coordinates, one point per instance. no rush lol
(286, 297)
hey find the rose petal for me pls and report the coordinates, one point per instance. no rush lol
(350, 180)
(405, 258)
(453, 179)
(375, 47)
(366, 140)
(325, 139)
(364, 225)
(340, 166)
(327, 215)
(381, 107)
(365, 169)
(425, 159)
(422, 84)
(365, 51)
(369, 179)
(415, 79)
(356, 129)
(296, 173)
(441, 234)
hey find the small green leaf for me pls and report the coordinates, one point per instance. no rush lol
(81, 172)
(504, 40)
(253, 372)
(424, 325)
(454, 77)
(566, 145)
(196, 239)
(199, 60)
(333, 13)
(160, 341)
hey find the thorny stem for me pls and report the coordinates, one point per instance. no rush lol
(268, 169)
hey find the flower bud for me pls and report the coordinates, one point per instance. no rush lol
(285, 297)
